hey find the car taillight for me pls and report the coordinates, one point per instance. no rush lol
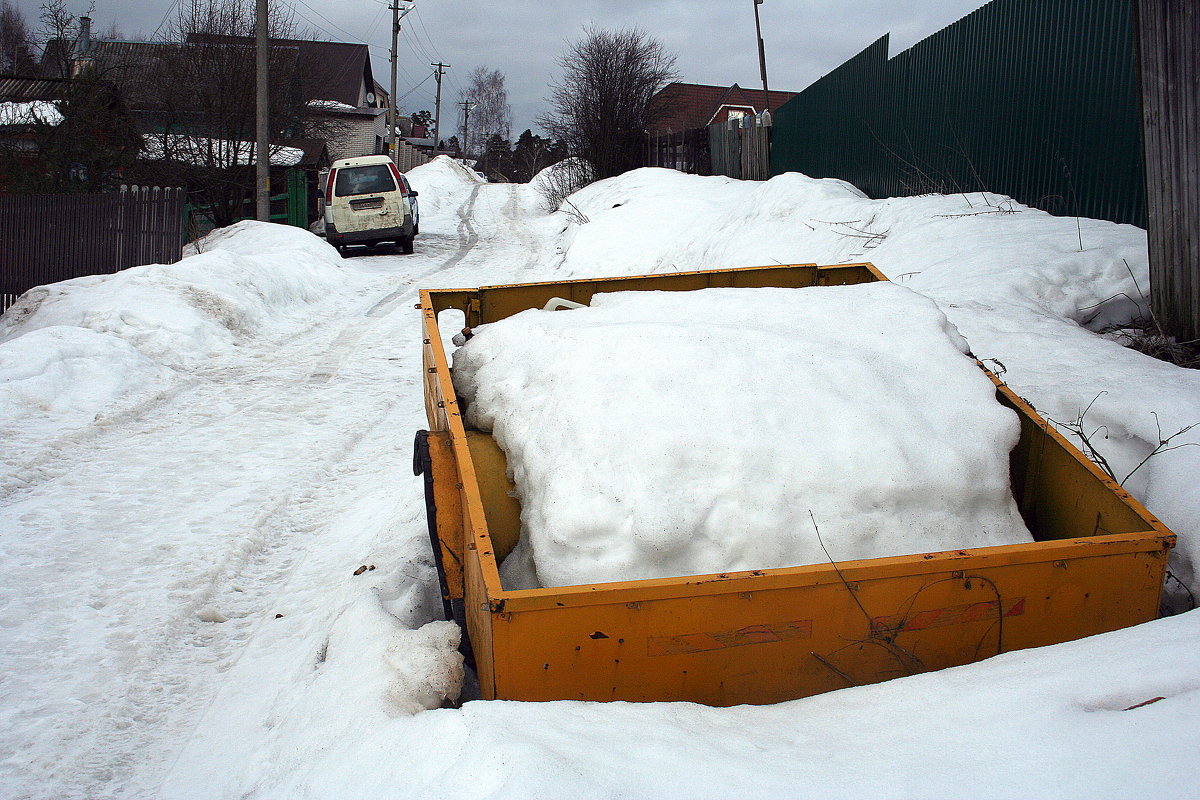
(396, 175)
(329, 185)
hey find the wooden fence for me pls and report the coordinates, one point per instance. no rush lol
(48, 238)
(716, 150)
(1169, 38)
(743, 153)
(686, 151)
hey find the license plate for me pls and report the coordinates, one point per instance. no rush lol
(364, 205)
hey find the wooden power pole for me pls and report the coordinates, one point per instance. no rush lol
(437, 106)
(398, 14)
(262, 167)
(466, 105)
(762, 59)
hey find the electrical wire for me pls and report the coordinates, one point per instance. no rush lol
(327, 19)
(428, 38)
(410, 91)
(170, 9)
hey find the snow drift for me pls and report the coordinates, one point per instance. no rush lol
(75, 350)
(658, 434)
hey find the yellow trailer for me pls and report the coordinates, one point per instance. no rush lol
(1098, 563)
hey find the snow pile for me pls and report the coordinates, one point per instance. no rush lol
(74, 351)
(179, 314)
(1027, 289)
(62, 378)
(1110, 716)
(983, 246)
(675, 433)
(441, 184)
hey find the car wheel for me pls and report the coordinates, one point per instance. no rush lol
(341, 248)
(416, 229)
(406, 245)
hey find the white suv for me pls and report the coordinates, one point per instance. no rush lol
(368, 201)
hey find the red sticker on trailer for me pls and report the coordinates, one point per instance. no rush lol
(950, 615)
(717, 640)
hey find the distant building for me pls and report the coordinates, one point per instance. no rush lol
(695, 105)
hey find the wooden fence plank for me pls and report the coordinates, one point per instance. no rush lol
(51, 238)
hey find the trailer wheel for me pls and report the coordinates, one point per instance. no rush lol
(455, 608)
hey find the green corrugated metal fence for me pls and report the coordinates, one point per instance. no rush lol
(1036, 99)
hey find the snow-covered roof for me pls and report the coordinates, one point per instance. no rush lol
(331, 105)
(199, 150)
(30, 113)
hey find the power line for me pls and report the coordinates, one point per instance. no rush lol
(428, 38)
(166, 16)
(327, 19)
(413, 89)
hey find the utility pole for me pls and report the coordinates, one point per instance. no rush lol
(262, 167)
(466, 104)
(437, 105)
(398, 14)
(762, 59)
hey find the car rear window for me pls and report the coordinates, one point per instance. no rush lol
(364, 180)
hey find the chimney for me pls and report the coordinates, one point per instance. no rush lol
(82, 57)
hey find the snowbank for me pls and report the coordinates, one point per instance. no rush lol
(1110, 716)
(1025, 288)
(441, 183)
(73, 351)
(984, 246)
(234, 286)
(658, 434)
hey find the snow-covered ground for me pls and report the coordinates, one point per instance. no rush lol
(199, 458)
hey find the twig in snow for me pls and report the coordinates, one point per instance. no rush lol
(1164, 445)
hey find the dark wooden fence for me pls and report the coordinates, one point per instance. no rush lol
(1169, 39)
(46, 238)
(741, 152)
(715, 150)
(686, 151)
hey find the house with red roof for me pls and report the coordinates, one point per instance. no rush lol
(694, 105)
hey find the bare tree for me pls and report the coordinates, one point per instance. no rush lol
(58, 26)
(490, 114)
(200, 89)
(16, 45)
(603, 104)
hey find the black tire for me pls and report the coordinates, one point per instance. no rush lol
(416, 229)
(341, 248)
(406, 245)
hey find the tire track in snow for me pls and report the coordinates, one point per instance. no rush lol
(350, 336)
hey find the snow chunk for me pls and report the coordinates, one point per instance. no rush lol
(428, 668)
(659, 434)
(211, 614)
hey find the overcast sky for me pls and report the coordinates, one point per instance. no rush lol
(713, 40)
